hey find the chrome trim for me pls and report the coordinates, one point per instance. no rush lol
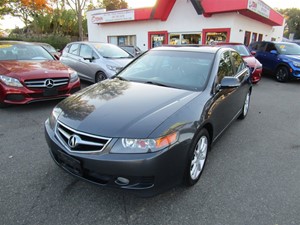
(60, 133)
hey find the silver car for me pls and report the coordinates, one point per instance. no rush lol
(95, 61)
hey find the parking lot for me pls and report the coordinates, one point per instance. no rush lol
(252, 179)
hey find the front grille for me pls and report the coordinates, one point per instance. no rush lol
(46, 83)
(76, 141)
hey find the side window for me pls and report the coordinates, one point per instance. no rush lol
(262, 46)
(86, 51)
(237, 61)
(270, 47)
(74, 49)
(225, 66)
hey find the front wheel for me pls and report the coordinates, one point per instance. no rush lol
(282, 74)
(245, 108)
(197, 157)
(100, 76)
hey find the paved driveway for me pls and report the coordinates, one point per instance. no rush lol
(252, 175)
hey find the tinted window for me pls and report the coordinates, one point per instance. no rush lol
(74, 49)
(225, 66)
(86, 51)
(270, 47)
(185, 70)
(238, 63)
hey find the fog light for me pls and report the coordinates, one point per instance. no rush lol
(122, 181)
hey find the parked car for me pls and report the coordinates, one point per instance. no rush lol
(50, 49)
(132, 49)
(29, 73)
(95, 61)
(251, 61)
(151, 126)
(281, 59)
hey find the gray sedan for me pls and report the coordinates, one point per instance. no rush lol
(95, 61)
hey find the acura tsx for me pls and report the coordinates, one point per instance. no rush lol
(151, 126)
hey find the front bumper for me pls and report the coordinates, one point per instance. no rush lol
(23, 95)
(144, 174)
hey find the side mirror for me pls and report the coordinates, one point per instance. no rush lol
(90, 58)
(274, 52)
(253, 53)
(229, 82)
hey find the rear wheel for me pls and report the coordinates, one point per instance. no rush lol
(282, 74)
(245, 107)
(197, 157)
(100, 76)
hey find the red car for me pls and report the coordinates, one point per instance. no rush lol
(251, 61)
(29, 73)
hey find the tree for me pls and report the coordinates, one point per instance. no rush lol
(78, 6)
(115, 4)
(292, 17)
(26, 10)
(4, 8)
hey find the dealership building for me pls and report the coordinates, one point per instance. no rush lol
(187, 22)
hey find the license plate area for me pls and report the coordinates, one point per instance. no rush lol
(69, 163)
(50, 92)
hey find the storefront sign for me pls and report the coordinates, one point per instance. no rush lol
(259, 7)
(113, 16)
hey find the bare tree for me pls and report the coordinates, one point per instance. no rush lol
(78, 6)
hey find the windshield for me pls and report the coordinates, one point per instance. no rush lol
(10, 51)
(288, 49)
(178, 69)
(242, 49)
(111, 51)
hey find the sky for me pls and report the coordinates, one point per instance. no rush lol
(11, 23)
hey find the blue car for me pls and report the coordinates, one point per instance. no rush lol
(281, 59)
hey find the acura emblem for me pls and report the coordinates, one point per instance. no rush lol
(49, 83)
(74, 141)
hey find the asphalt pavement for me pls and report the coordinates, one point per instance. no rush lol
(252, 175)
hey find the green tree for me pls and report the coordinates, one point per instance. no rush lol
(114, 4)
(292, 17)
(4, 8)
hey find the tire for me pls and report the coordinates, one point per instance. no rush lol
(100, 76)
(282, 74)
(197, 157)
(3, 105)
(245, 108)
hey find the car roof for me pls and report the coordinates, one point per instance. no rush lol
(228, 43)
(16, 42)
(200, 48)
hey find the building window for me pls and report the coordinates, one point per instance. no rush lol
(216, 35)
(122, 40)
(185, 38)
(157, 38)
(247, 38)
(260, 37)
(254, 37)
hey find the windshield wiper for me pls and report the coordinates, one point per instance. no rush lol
(158, 84)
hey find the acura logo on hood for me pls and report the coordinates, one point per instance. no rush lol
(49, 83)
(74, 140)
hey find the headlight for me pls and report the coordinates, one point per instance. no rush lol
(297, 64)
(9, 81)
(53, 117)
(131, 145)
(73, 76)
(114, 68)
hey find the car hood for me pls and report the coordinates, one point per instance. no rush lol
(115, 108)
(293, 57)
(119, 62)
(23, 69)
